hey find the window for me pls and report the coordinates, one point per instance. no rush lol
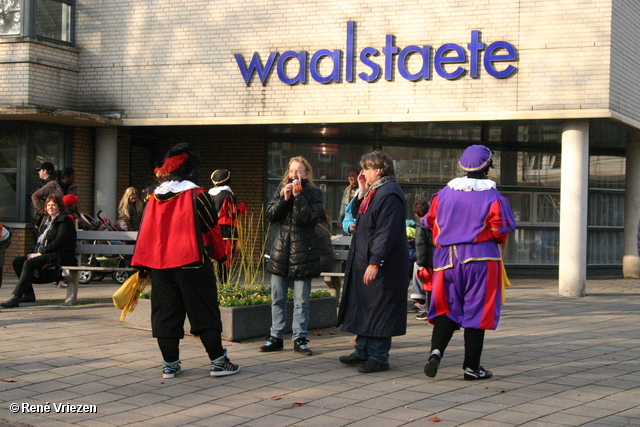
(53, 20)
(49, 19)
(23, 148)
(10, 17)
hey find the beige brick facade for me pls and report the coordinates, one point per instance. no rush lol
(160, 61)
(38, 73)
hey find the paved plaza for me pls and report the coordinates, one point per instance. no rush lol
(556, 361)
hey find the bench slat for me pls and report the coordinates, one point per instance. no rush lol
(91, 268)
(129, 236)
(100, 249)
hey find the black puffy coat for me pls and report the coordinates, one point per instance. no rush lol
(295, 249)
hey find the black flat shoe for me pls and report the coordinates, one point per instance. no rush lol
(28, 298)
(12, 302)
(352, 360)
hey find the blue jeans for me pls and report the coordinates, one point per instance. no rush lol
(301, 291)
(416, 286)
(376, 348)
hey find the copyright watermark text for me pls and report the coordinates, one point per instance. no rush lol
(49, 408)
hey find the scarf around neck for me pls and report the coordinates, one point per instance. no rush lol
(372, 191)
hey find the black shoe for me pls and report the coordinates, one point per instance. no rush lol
(14, 301)
(300, 346)
(28, 298)
(352, 360)
(272, 344)
(422, 316)
(477, 374)
(372, 365)
(431, 368)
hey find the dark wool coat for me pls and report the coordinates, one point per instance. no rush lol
(378, 309)
(295, 248)
(62, 240)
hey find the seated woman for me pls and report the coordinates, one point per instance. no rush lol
(55, 246)
(130, 210)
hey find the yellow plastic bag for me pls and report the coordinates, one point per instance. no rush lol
(126, 297)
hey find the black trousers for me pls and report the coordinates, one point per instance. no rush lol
(181, 292)
(30, 270)
(443, 329)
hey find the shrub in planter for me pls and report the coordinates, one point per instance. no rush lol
(240, 296)
(246, 313)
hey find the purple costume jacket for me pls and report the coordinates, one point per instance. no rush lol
(467, 226)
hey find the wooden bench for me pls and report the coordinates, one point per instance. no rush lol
(333, 279)
(90, 242)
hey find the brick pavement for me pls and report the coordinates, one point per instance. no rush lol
(556, 361)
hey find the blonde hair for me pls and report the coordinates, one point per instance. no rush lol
(123, 206)
(307, 167)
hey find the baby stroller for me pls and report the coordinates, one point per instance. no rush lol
(98, 223)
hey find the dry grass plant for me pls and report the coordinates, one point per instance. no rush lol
(246, 267)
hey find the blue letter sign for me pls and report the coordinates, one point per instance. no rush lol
(451, 61)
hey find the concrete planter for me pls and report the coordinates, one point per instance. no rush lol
(252, 321)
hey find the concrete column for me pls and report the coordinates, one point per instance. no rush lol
(573, 209)
(106, 172)
(630, 260)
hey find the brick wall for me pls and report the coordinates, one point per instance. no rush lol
(82, 160)
(22, 241)
(154, 66)
(38, 72)
(239, 149)
(124, 164)
(625, 57)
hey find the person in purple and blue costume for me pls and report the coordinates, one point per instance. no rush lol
(468, 218)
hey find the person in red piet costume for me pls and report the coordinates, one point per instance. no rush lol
(468, 218)
(229, 210)
(177, 239)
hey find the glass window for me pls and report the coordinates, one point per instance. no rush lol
(8, 193)
(537, 246)
(538, 169)
(607, 171)
(53, 20)
(520, 206)
(425, 165)
(451, 131)
(547, 208)
(606, 209)
(542, 132)
(323, 129)
(9, 17)
(9, 145)
(605, 247)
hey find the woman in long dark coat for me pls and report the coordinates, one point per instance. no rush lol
(374, 302)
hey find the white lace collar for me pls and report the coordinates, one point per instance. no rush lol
(471, 184)
(216, 190)
(175, 187)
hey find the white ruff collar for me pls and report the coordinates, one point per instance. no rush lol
(217, 190)
(471, 184)
(174, 187)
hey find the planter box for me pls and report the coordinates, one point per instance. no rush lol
(252, 321)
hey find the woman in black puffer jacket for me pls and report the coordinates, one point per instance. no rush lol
(296, 207)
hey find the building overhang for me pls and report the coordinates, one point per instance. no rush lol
(407, 117)
(60, 116)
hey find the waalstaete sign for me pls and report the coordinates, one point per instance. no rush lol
(496, 59)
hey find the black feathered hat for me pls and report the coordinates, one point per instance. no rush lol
(180, 162)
